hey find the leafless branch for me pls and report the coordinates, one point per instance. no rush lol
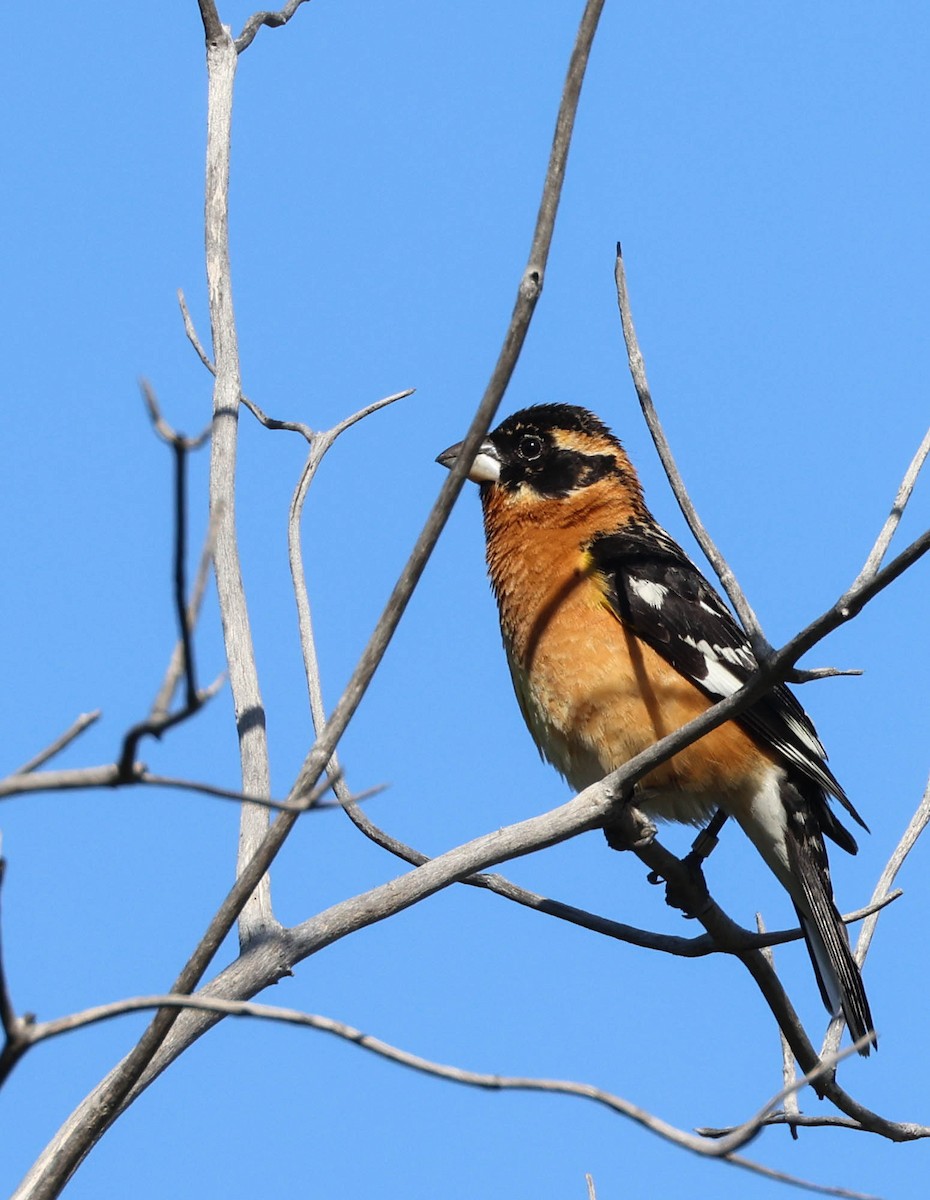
(916, 826)
(82, 722)
(761, 646)
(176, 664)
(181, 447)
(113, 775)
(693, 947)
(273, 19)
(212, 25)
(278, 955)
(800, 1120)
(527, 295)
(320, 444)
(747, 616)
(191, 332)
(166, 432)
(883, 541)
(156, 726)
(788, 1073)
(717, 1148)
(256, 918)
(588, 810)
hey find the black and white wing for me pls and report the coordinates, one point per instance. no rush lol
(655, 590)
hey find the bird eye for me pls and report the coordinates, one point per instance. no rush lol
(530, 447)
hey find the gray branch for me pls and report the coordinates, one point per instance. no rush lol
(256, 918)
(720, 1144)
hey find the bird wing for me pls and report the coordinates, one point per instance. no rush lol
(655, 590)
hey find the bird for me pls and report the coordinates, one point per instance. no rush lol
(614, 639)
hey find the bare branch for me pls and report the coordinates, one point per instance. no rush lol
(113, 775)
(166, 432)
(747, 616)
(192, 334)
(181, 447)
(788, 1073)
(883, 541)
(493, 1082)
(527, 295)
(82, 722)
(917, 824)
(273, 19)
(176, 664)
(694, 947)
(256, 918)
(156, 726)
(319, 446)
(212, 25)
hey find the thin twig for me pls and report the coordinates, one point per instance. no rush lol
(788, 1072)
(166, 432)
(747, 616)
(319, 447)
(192, 334)
(273, 19)
(181, 446)
(113, 775)
(82, 722)
(156, 726)
(917, 824)
(175, 670)
(883, 541)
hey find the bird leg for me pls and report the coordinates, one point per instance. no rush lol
(706, 841)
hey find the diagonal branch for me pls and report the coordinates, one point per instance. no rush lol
(747, 616)
(883, 541)
(680, 947)
(77, 727)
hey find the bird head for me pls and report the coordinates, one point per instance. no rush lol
(546, 453)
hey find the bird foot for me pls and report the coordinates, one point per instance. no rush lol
(688, 891)
(628, 828)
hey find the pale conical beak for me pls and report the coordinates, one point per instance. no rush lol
(485, 469)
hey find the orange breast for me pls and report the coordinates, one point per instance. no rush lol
(591, 693)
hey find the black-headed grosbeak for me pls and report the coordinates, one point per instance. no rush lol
(614, 638)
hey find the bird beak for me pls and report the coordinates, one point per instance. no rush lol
(485, 469)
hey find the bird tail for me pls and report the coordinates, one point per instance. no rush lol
(837, 972)
(787, 825)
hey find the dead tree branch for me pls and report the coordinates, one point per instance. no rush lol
(272, 19)
(721, 1146)
(82, 722)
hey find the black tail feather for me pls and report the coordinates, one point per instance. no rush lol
(827, 941)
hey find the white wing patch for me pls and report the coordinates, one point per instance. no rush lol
(718, 676)
(649, 591)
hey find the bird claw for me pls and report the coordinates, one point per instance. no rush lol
(683, 893)
(629, 829)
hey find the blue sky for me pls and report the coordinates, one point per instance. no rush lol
(766, 170)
